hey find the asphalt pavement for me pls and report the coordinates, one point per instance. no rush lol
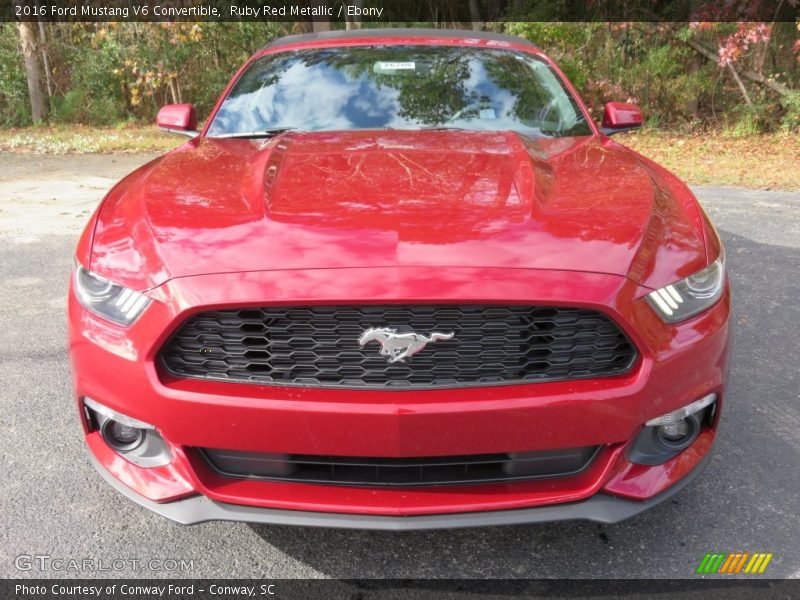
(52, 503)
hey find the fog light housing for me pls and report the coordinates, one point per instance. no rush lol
(137, 441)
(664, 437)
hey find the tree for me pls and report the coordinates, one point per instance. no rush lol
(475, 15)
(354, 22)
(27, 40)
(732, 49)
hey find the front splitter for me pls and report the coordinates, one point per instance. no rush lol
(600, 508)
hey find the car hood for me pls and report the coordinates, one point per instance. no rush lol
(398, 198)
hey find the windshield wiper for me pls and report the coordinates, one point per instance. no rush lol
(263, 133)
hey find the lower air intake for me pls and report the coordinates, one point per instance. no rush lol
(401, 472)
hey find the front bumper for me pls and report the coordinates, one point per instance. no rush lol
(677, 364)
(601, 508)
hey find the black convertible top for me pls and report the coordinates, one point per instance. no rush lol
(345, 34)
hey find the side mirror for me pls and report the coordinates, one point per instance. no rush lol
(621, 116)
(178, 118)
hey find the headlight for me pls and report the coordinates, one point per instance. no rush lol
(107, 299)
(690, 296)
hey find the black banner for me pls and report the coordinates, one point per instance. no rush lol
(226, 589)
(386, 12)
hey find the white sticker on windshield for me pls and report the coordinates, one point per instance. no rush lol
(394, 66)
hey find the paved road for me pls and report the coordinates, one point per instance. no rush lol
(52, 502)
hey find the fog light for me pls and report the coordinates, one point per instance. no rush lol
(680, 435)
(674, 431)
(121, 437)
(124, 434)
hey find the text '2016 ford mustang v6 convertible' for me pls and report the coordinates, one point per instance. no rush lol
(400, 280)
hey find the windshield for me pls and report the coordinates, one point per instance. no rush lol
(400, 87)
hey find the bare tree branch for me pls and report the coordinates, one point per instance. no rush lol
(738, 81)
(746, 73)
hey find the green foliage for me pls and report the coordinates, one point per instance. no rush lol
(94, 94)
(653, 65)
(790, 121)
(564, 42)
(14, 106)
(746, 123)
(684, 34)
(108, 73)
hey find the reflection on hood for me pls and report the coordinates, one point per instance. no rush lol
(425, 198)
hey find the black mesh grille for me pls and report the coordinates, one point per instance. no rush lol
(319, 346)
(400, 472)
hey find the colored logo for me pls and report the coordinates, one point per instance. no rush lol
(739, 562)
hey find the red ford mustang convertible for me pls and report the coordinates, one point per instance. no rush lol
(400, 280)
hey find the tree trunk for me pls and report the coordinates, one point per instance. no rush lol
(46, 59)
(320, 25)
(693, 102)
(475, 15)
(173, 90)
(759, 56)
(27, 40)
(354, 22)
(742, 89)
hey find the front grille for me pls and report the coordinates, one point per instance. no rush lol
(319, 346)
(401, 472)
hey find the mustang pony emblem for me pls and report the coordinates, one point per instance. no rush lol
(399, 346)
